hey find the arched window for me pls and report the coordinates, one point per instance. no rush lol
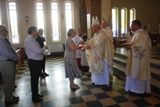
(0, 15)
(132, 15)
(40, 16)
(123, 21)
(69, 15)
(115, 22)
(13, 24)
(55, 21)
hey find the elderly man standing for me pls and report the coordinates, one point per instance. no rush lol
(8, 60)
(109, 33)
(98, 55)
(138, 68)
(35, 59)
(40, 39)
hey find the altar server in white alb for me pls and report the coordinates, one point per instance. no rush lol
(76, 40)
(138, 69)
(98, 55)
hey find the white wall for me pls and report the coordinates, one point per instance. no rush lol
(105, 9)
(27, 8)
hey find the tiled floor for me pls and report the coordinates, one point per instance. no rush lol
(57, 93)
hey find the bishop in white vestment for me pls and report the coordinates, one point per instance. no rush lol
(98, 55)
(138, 69)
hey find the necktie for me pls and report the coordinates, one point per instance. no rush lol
(10, 45)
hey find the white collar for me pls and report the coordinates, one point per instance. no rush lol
(41, 36)
(107, 27)
(138, 30)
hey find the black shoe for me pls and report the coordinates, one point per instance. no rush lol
(14, 97)
(13, 101)
(15, 86)
(42, 75)
(40, 95)
(46, 74)
(37, 99)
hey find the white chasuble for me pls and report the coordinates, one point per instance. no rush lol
(100, 50)
(138, 58)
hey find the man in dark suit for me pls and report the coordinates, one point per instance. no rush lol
(40, 39)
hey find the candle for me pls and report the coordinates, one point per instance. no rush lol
(148, 27)
(103, 15)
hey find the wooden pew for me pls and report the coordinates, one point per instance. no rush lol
(19, 52)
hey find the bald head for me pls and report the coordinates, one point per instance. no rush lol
(105, 24)
(3, 30)
(2, 27)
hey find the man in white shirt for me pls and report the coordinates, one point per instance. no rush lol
(35, 58)
(40, 39)
(76, 40)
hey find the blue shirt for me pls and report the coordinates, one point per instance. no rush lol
(6, 52)
(33, 49)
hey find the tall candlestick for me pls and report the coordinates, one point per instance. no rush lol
(103, 15)
(149, 26)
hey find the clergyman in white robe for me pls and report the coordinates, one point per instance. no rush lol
(99, 58)
(109, 33)
(138, 69)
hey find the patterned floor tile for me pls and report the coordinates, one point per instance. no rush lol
(120, 99)
(108, 101)
(94, 104)
(88, 98)
(57, 92)
(76, 100)
(141, 103)
(128, 104)
(113, 93)
(101, 95)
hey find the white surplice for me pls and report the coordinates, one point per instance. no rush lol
(83, 59)
(108, 31)
(138, 68)
(76, 40)
(101, 79)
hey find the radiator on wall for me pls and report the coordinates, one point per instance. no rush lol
(56, 48)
